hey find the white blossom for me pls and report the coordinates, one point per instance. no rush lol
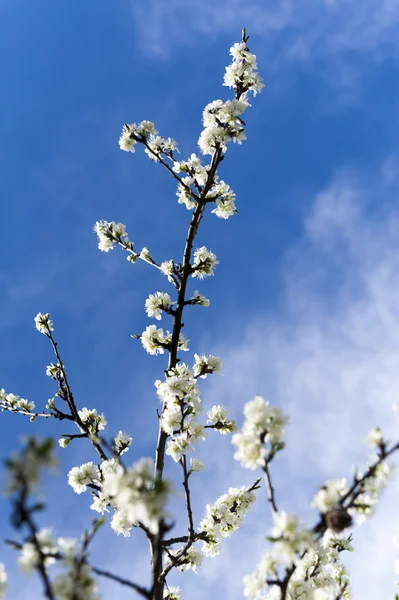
(43, 323)
(122, 442)
(225, 208)
(146, 128)
(168, 269)
(156, 303)
(121, 524)
(375, 438)
(200, 299)
(109, 467)
(145, 254)
(172, 593)
(171, 418)
(204, 262)
(127, 139)
(100, 503)
(153, 339)
(196, 465)
(184, 193)
(205, 364)
(211, 138)
(63, 442)
(92, 420)
(191, 560)
(80, 477)
(217, 417)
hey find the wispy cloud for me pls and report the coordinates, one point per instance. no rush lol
(309, 32)
(326, 26)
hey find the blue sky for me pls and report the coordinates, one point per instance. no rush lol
(303, 304)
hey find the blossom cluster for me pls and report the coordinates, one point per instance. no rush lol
(110, 234)
(224, 518)
(316, 572)
(222, 120)
(92, 421)
(242, 74)
(14, 403)
(338, 505)
(194, 183)
(77, 582)
(135, 495)
(195, 179)
(180, 396)
(181, 400)
(132, 493)
(222, 123)
(156, 341)
(263, 424)
(145, 133)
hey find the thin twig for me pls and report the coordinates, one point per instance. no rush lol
(138, 588)
(71, 401)
(186, 486)
(58, 415)
(270, 488)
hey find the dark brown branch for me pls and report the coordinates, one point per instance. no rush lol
(191, 531)
(138, 588)
(25, 517)
(270, 488)
(183, 539)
